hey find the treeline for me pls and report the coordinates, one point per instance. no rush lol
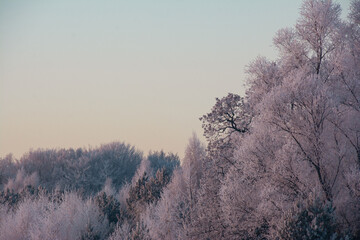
(81, 169)
(79, 194)
(281, 162)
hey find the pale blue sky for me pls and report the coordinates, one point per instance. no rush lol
(75, 73)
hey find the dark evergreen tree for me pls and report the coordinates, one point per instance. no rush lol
(314, 221)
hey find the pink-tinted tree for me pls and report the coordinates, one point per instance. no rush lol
(305, 133)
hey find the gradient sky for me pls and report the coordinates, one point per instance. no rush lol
(79, 73)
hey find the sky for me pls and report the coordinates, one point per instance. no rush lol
(81, 73)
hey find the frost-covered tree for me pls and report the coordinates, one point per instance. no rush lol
(209, 222)
(154, 162)
(192, 166)
(117, 161)
(19, 223)
(147, 190)
(170, 217)
(313, 39)
(305, 131)
(173, 217)
(122, 232)
(8, 169)
(263, 75)
(72, 218)
(22, 180)
(110, 207)
(159, 160)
